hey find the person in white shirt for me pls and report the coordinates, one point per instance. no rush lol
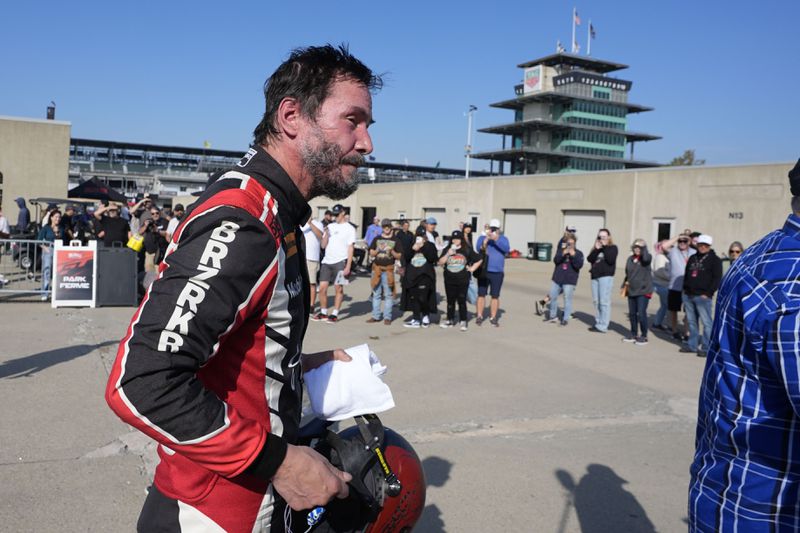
(312, 231)
(177, 215)
(338, 241)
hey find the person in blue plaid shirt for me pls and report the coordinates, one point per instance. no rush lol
(746, 470)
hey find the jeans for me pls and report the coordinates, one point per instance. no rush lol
(47, 268)
(601, 298)
(698, 307)
(637, 312)
(555, 290)
(456, 294)
(663, 296)
(383, 287)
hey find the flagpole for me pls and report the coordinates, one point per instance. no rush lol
(589, 38)
(573, 29)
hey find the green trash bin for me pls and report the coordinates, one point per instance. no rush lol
(544, 251)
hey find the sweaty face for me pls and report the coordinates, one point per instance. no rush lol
(333, 145)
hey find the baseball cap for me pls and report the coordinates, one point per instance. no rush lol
(338, 208)
(494, 223)
(430, 220)
(705, 239)
(386, 222)
(178, 207)
(572, 229)
(456, 235)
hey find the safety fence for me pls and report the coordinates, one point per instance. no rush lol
(21, 267)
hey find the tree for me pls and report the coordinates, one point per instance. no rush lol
(687, 159)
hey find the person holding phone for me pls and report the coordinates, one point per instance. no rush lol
(638, 286)
(569, 261)
(494, 246)
(603, 259)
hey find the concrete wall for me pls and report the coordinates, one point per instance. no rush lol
(728, 202)
(34, 160)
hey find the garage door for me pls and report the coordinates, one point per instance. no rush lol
(519, 227)
(587, 223)
(440, 214)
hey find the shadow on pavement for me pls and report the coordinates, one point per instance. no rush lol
(31, 364)
(437, 473)
(588, 319)
(601, 503)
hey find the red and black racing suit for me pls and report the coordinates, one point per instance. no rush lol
(210, 364)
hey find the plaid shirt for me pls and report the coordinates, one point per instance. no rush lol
(746, 469)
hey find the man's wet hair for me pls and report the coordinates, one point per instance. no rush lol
(308, 75)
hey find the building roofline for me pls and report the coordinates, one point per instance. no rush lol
(597, 65)
(35, 120)
(553, 125)
(520, 101)
(511, 154)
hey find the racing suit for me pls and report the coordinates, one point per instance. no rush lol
(210, 364)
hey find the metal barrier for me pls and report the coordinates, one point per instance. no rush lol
(21, 266)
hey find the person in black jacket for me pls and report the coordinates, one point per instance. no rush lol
(638, 286)
(420, 280)
(603, 259)
(700, 282)
(569, 261)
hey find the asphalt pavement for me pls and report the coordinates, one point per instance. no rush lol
(526, 427)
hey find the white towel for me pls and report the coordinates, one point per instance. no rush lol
(343, 389)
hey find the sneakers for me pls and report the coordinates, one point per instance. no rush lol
(593, 329)
(413, 324)
(478, 320)
(685, 349)
(629, 339)
(446, 324)
(493, 322)
(387, 322)
(563, 323)
(319, 316)
(553, 320)
(333, 319)
(463, 326)
(640, 341)
(373, 320)
(540, 307)
(426, 321)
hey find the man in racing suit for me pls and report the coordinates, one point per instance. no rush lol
(211, 364)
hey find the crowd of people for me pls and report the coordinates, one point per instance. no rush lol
(404, 261)
(684, 272)
(142, 226)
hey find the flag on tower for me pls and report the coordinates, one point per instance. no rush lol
(577, 18)
(591, 30)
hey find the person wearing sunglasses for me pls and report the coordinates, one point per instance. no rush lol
(678, 251)
(734, 251)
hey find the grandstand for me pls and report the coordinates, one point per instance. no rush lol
(135, 168)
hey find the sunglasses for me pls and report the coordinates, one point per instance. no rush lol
(734, 251)
(155, 212)
(683, 242)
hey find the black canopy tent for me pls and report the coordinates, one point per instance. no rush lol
(97, 190)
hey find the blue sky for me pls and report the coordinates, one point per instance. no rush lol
(722, 76)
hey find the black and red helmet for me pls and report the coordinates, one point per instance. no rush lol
(387, 493)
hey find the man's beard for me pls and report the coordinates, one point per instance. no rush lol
(324, 164)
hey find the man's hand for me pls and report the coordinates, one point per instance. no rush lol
(306, 479)
(310, 361)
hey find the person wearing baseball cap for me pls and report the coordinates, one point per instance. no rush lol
(459, 261)
(385, 249)
(338, 241)
(700, 281)
(748, 438)
(494, 246)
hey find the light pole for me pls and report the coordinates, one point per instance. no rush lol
(468, 148)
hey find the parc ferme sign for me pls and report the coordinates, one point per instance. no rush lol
(74, 275)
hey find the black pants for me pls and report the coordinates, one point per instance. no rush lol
(637, 312)
(420, 296)
(456, 293)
